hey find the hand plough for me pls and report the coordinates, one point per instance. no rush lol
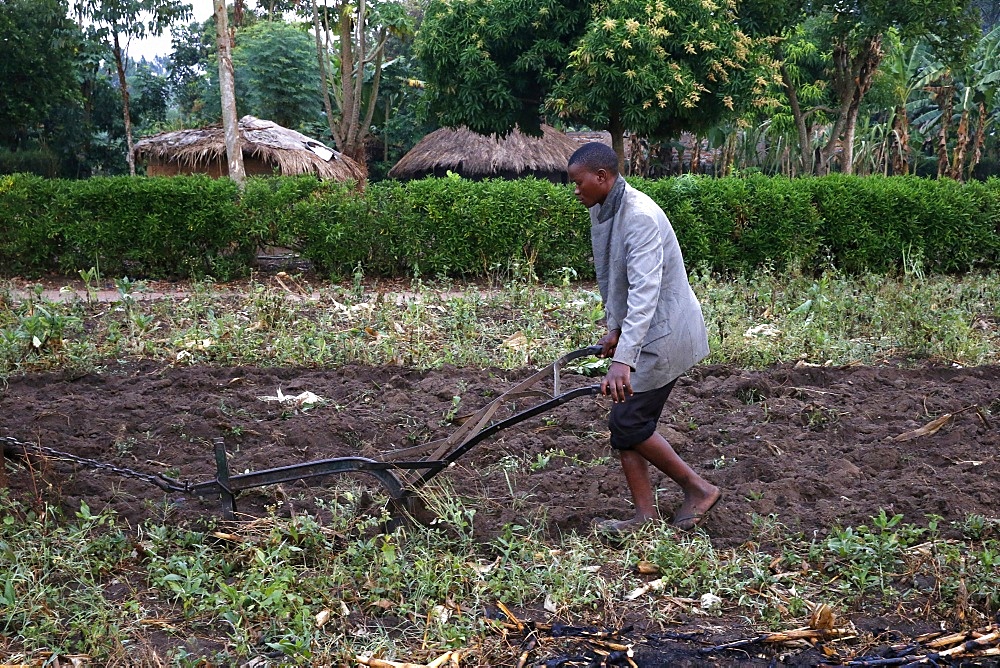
(400, 473)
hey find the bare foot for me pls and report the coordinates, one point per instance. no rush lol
(696, 507)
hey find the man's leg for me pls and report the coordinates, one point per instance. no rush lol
(699, 494)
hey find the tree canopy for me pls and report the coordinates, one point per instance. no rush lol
(276, 74)
(37, 65)
(798, 86)
(653, 67)
(123, 20)
(851, 33)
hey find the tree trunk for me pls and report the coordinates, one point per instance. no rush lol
(230, 121)
(850, 125)
(123, 85)
(961, 145)
(977, 146)
(806, 160)
(366, 124)
(696, 157)
(901, 130)
(345, 92)
(355, 139)
(385, 133)
(729, 153)
(944, 100)
(323, 58)
(352, 131)
(844, 86)
(851, 80)
(617, 131)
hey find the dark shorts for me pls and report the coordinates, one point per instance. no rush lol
(634, 420)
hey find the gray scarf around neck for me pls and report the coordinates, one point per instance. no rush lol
(613, 201)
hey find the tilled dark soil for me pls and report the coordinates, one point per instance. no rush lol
(815, 447)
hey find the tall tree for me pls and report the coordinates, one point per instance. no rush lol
(355, 34)
(980, 84)
(653, 67)
(804, 67)
(120, 21)
(227, 86)
(906, 70)
(150, 96)
(276, 73)
(189, 67)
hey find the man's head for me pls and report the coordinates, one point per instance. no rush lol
(594, 169)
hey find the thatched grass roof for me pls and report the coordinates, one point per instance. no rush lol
(480, 156)
(290, 151)
(582, 137)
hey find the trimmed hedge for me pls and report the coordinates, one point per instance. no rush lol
(194, 226)
(156, 228)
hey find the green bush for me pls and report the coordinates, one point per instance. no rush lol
(739, 224)
(173, 227)
(31, 211)
(176, 227)
(452, 226)
(876, 223)
(194, 225)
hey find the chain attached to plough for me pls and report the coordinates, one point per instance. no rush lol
(161, 481)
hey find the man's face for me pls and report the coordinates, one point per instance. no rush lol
(591, 187)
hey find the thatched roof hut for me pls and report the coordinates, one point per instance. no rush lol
(268, 149)
(477, 156)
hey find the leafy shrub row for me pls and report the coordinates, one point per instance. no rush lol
(193, 226)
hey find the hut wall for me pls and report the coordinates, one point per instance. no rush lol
(214, 168)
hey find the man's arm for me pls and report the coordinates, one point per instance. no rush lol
(644, 268)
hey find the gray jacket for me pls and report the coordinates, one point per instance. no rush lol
(644, 285)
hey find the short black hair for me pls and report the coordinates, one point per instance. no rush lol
(595, 156)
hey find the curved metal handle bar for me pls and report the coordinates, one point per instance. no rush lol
(437, 467)
(582, 352)
(381, 471)
(314, 469)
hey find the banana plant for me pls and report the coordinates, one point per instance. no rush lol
(977, 96)
(962, 98)
(906, 70)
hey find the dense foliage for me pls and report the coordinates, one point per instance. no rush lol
(193, 226)
(654, 68)
(36, 64)
(276, 73)
(784, 86)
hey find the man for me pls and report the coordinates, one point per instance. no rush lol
(656, 332)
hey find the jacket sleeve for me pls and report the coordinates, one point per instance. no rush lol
(644, 269)
(601, 259)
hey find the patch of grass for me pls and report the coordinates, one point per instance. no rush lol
(753, 322)
(301, 591)
(55, 587)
